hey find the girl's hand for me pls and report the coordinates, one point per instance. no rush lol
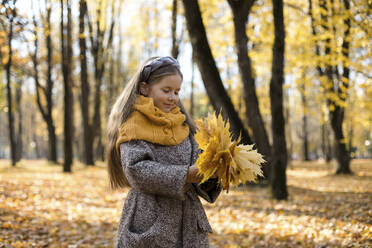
(192, 175)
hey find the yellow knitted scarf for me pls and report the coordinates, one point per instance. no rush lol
(147, 122)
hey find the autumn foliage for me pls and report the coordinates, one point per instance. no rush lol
(42, 207)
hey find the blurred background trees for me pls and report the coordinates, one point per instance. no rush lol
(297, 84)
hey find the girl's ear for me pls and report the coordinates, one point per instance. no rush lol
(144, 88)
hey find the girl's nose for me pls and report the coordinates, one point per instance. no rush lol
(173, 97)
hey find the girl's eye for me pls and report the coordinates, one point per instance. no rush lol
(165, 90)
(176, 93)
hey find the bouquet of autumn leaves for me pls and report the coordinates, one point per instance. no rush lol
(221, 156)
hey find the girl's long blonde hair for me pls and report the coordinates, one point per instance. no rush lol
(120, 112)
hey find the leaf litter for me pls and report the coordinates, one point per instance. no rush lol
(42, 207)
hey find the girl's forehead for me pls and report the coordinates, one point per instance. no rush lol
(173, 81)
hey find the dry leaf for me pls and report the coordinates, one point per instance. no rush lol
(231, 162)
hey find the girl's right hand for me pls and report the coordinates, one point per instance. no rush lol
(192, 175)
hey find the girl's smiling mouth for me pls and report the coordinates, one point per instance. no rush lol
(168, 105)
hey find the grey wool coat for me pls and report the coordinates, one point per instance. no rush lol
(161, 209)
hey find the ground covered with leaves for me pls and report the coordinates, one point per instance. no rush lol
(42, 207)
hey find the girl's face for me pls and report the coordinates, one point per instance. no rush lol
(163, 92)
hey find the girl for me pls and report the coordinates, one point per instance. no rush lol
(151, 149)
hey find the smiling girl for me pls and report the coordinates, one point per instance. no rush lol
(151, 149)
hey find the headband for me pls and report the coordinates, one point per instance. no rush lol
(155, 64)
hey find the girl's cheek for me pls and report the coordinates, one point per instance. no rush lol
(161, 94)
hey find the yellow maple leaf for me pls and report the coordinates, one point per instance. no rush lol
(232, 163)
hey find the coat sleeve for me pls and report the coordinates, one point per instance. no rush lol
(209, 190)
(146, 175)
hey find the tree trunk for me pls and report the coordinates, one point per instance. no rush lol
(240, 10)
(305, 144)
(328, 71)
(120, 75)
(99, 51)
(317, 48)
(218, 96)
(327, 153)
(342, 153)
(326, 148)
(110, 84)
(329, 150)
(336, 111)
(34, 137)
(52, 138)
(85, 92)
(305, 136)
(19, 143)
(279, 159)
(19, 138)
(8, 65)
(350, 144)
(287, 117)
(192, 86)
(67, 79)
(47, 113)
(52, 141)
(100, 148)
(175, 45)
(98, 74)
